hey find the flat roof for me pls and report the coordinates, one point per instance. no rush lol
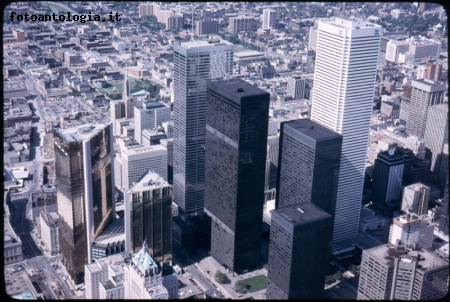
(81, 132)
(302, 213)
(236, 89)
(249, 53)
(311, 129)
(442, 106)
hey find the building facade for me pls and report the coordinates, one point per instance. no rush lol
(241, 24)
(415, 198)
(436, 135)
(235, 160)
(50, 231)
(206, 27)
(194, 63)
(85, 192)
(149, 115)
(269, 17)
(309, 161)
(424, 94)
(296, 87)
(148, 218)
(342, 101)
(299, 241)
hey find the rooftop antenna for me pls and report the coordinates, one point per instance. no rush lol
(192, 24)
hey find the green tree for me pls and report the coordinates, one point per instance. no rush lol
(240, 286)
(221, 278)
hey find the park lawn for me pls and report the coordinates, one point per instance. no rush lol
(256, 283)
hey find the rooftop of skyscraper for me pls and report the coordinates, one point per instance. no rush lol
(81, 132)
(311, 129)
(354, 24)
(202, 43)
(301, 213)
(428, 85)
(235, 89)
(387, 252)
(148, 181)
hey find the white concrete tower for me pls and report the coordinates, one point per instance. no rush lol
(344, 80)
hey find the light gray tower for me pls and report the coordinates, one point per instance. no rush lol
(149, 115)
(195, 62)
(425, 93)
(344, 79)
(296, 87)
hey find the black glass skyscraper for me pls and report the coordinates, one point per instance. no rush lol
(148, 217)
(235, 160)
(309, 161)
(298, 252)
(84, 174)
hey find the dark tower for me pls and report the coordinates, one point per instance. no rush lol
(235, 160)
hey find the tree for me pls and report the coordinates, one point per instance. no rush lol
(221, 278)
(240, 286)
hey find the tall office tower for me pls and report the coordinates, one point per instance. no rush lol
(126, 86)
(296, 87)
(194, 63)
(168, 144)
(235, 160)
(434, 71)
(390, 172)
(443, 221)
(300, 236)
(310, 156)
(412, 229)
(241, 23)
(415, 198)
(148, 218)
(436, 135)
(398, 273)
(424, 94)
(269, 17)
(206, 27)
(149, 115)
(117, 110)
(344, 77)
(133, 161)
(85, 193)
(406, 103)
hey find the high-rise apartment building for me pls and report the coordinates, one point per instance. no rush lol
(194, 64)
(206, 27)
(344, 79)
(296, 87)
(269, 17)
(235, 160)
(131, 162)
(241, 23)
(425, 93)
(148, 218)
(389, 175)
(415, 198)
(145, 9)
(85, 192)
(309, 161)
(149, 115)
(391, 272)
(436, 134)
(300, 237)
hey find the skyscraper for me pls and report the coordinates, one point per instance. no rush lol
(309, 160)
(299, 242)
(85, 192)
(344, 79)
(149, 115)
(268, 18)
(436, 135)
(443, 221)
(389, 175)
(194, 64)
(296, 87)
(235, 160)
(117, 110)
(241, 23)
(148, 218)
(425, 93)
